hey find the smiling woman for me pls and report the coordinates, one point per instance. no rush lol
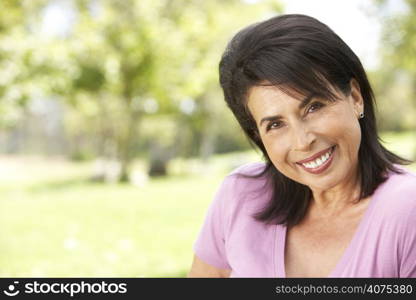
(329, 200)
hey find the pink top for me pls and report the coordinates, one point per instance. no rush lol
(384, 244)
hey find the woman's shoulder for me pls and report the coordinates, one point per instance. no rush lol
(401, 183)
(244, 177)
(249, 176)
(248, 169)
(241, 186)
(398, 192)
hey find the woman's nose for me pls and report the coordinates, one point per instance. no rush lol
(302, 138)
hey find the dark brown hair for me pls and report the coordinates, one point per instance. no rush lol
(299, 53)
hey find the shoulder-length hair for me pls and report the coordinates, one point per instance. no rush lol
(299, 53)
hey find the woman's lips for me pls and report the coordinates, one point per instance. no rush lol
(313, 157)
(322, 167)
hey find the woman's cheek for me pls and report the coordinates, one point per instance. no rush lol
(278, 150)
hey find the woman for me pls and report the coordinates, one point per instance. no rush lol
(330, 200)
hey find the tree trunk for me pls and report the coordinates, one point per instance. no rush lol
(208, 134)
(126, 151)
(159, 159)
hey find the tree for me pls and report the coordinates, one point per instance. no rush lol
(125, 55)
(114, 54)
(17, 67)
(121, 67)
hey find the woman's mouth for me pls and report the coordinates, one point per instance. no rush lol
(319, 164)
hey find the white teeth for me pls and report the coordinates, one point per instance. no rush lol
(318, 162)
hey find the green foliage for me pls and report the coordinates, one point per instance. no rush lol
(395, 81)
(123, 66)
(90, 78)
(16, 67)
(139, 52)
(395, 102)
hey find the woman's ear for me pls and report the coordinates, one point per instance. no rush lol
(356, 97)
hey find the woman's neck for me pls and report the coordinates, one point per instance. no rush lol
(334, 201)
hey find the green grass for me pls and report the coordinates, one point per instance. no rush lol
(54, 222)
(84, 229)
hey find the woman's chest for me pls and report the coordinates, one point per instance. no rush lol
(316, 251)
(316, 246)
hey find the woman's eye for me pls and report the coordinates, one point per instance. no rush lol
(273, 125)
(314, 106)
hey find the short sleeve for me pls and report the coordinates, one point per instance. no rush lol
(408, 238)
(210, 243)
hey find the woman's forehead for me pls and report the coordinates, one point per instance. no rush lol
(266, 90)
(275, 93)
(266, 100)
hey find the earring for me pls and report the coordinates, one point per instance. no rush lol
(361, 115)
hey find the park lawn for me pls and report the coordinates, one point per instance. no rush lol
(55, 223)
(81, 229)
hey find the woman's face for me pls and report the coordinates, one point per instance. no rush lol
(293, 134)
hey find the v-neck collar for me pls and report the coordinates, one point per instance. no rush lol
(280, 242)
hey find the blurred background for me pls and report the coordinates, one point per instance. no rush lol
(114, 134)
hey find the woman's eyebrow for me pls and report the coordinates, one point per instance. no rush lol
(270, 118)
(304, 103)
